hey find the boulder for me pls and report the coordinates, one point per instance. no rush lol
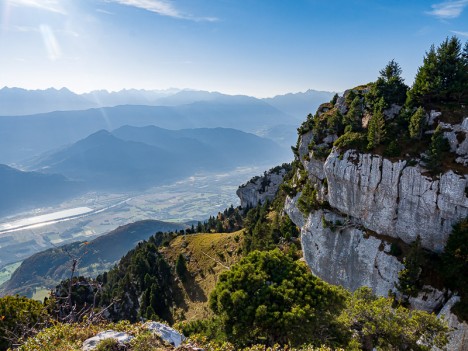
(166, 333)
(92, 343)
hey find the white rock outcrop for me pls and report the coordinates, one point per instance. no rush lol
(346, 256)
(166, 333)
(394, 199)
(429, 299)
(260, 189)
(458, 336)
(456, 134)
(92, 343)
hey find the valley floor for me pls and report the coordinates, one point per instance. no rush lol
(194, 198)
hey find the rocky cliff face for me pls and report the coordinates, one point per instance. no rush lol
(394, 199)
(263, 188)
(372, 201)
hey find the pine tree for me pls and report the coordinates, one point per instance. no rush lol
(354, 115)
(443, 75)
(439, 145)
(181, 267)
(389, 86)
(416, 123)
(376, 128)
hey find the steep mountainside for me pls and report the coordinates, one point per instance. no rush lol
(172, 281)
(47, 268)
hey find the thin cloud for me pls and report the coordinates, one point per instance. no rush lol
(105, 12)
(448, 9)
(462, 34)
(48, 5)
(163, 8)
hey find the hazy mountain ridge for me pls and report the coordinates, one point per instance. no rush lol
(18, 101)
(299, 105)
(23, 137)
(28, 128)
(139, 157)
(25, 190)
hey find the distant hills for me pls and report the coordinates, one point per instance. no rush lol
(17, 101)
(299, 105)
(25, 190)
(157, 137)
(133, 158)
(49, 267)
(23, 137)
(130, 159)
(35, 121)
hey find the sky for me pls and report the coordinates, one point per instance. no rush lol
(253, 47)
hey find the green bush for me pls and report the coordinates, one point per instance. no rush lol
(308, 201)
(373, 323)
(409, 283)
(181, 267)
(20, 318)
(269, 298)
(351, 140)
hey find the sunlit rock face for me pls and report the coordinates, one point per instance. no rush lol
(394, 199)
(261, 189)
(371, 202)
(344, 255)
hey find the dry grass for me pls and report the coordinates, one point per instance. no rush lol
(207, 255)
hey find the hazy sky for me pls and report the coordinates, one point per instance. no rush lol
(254, 47)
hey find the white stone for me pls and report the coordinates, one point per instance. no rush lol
(293, 212)
(166, 333)
(304, 142)
(92, 343)
(346, 257)
(330, 139)
(255, 191)
(432, 116)
(391, 112)
(458, 336)
(429, 299)
(395, 199)
(465, 125)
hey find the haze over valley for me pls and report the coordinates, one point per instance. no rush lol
(108, 159)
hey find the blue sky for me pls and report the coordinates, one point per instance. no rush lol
(254, 47)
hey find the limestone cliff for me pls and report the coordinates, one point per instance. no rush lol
(369, 202)
(262, 188)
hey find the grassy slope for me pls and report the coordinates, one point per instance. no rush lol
(208, 255)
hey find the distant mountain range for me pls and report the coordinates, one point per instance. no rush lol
(17, 101)
(25, 190)
(139, 157)
(23, 137)
(129, 159)
(74, 151)
(299, 105)
(29, 128)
